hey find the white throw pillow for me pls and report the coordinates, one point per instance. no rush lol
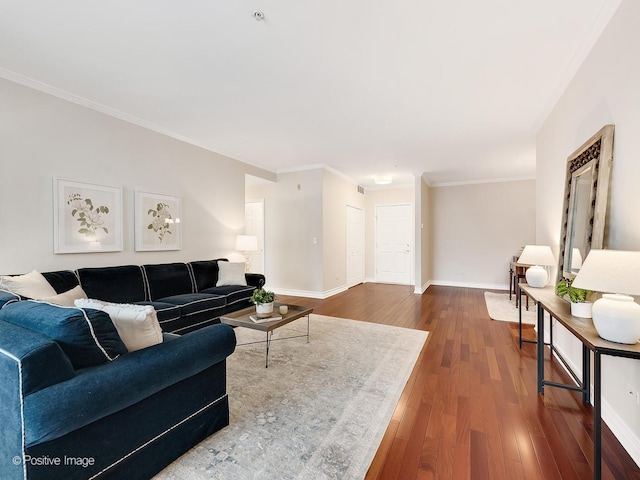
(231, 273)
(66, 299)
(137, 325)
(30, 285)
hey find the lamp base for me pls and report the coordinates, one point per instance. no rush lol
(536, 276)
(617, 318)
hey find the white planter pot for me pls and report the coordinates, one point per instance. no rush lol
(264, 310)
(582, 310)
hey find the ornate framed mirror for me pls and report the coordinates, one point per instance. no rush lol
(586, 196)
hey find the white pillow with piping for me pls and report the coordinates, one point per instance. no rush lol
(137, 325)
(231, 273)
(30, 285)
(66, 299)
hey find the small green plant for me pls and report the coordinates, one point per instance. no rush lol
(261, 296)
(576, 295)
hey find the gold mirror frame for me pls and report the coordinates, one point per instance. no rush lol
(586, 198)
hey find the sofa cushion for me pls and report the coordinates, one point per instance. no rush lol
(231, 273)
(164, 311)
(137, 325)
(205, 273)
(168, 279)
(30, 285)
(86, 337)
(114, 284)
(194, 303)
(233, 293)
(67, 298)
(61, 280)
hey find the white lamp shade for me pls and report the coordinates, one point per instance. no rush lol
(247, 243)
(610, 271)
(537, 255)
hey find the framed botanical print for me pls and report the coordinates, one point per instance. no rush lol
(158, 222)
(87, 217)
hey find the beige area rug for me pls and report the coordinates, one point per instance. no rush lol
(501, 308)
(318, 412)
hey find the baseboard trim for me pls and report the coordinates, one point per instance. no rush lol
(485, 286)
(310, 293)
(421, 290)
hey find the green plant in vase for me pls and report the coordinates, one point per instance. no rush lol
(264, 302)
(580, 305)
(260, 296)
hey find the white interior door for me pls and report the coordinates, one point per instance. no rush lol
(254, 225)
(394, 243)
(355, 246)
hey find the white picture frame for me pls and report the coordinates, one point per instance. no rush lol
(157, 222)
(87, 218)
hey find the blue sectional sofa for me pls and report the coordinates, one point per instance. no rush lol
(75, 404)
(184, 295)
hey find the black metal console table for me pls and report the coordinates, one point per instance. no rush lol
(583, 330)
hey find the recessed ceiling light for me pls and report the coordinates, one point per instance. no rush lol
(382, 179)
(258, 15)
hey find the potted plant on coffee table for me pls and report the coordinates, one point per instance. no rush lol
(264, 302)
(580, 306)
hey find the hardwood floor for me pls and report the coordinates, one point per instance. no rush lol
(470, 409)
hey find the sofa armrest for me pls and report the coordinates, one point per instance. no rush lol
(255, 279)
(29, 362)
(99, 391)
(41, 361)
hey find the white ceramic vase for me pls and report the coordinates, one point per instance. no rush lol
(617, 318)
(264, 310)
(536, 276)
(581, 309)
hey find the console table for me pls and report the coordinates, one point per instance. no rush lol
(583, 330)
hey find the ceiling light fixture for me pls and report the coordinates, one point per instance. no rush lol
(258, 15)
(382, 179)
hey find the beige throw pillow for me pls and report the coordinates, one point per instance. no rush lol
(231, 273)
(30, 285)
(66, 299)
(137, 325)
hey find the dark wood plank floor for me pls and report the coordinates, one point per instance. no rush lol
(470, 409)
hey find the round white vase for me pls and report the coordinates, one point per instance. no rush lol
(581, 309)
(617, 318)
(536, 276)
(264, 310)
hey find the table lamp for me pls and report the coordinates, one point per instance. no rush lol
(247, 243)
(616, 273)
(538, 256)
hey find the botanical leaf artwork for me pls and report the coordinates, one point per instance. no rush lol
(160, 223)
(91, 218)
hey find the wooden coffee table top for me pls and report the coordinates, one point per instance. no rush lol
(241, 317)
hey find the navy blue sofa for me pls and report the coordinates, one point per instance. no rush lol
(66, 413)
(74, 404)
(184, 295)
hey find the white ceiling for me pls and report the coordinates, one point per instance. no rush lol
(453, 90)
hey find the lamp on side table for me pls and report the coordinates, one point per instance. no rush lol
(616, 316)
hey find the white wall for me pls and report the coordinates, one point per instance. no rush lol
(42, 137)
(605, 90)
(337, 193)
(305, 231)
(476, 229)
